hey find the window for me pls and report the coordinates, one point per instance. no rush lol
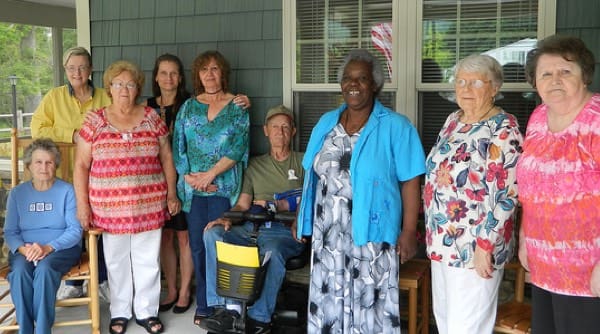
(310, 105)
(419, 42)
(325, 32)
(328, 29)
(452, 30)
(27, 52)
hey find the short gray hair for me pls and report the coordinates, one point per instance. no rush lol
(44, 144)
(364, 56)
(482, 64)
(77, 51)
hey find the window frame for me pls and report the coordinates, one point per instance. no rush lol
(407, 18)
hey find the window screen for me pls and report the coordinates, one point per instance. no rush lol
(452, 30)
(312, 105)
(327, 30)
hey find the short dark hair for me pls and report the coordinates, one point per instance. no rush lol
(570, 48)
(204, 59)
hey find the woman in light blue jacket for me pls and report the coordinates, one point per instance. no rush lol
(360, 202)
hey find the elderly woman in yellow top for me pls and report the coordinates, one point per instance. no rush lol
(43, 235)
(59, 117)
(125, 184)
(61, 111)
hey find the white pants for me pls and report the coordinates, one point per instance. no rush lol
(133, 266)
(463, 302)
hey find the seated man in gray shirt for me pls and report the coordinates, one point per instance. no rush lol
(278, 171)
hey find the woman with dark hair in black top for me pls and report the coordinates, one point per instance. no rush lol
(168, 88)
(169, 93)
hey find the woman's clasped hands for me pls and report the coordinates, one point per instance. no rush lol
(34, 252)
(201, 181)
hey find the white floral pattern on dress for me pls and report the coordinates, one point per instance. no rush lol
(353, 289)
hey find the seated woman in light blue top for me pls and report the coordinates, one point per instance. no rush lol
(43, 235)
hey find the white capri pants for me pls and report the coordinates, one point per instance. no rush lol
(463, 301)
(133, 267)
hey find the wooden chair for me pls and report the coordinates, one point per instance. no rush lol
(414, 276)
(514, 317)
(86, 269)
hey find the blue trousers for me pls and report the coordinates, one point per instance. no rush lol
(277, 239)
(33, 288)
(204, 210)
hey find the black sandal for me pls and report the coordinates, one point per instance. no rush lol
(122, 322)
(149, 324)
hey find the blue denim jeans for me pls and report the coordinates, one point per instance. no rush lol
(277, 239)
(33, 288)
(204, 210)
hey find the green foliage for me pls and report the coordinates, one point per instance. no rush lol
(69, 38)
(27, 53)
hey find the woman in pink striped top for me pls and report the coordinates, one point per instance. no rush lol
(559, 187)
(125, 184)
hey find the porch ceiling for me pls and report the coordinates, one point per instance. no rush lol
(49, 13)
(60, 3)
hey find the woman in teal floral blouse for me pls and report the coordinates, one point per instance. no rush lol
(210, 149)
(470, 196)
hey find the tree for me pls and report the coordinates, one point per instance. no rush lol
(26, 51)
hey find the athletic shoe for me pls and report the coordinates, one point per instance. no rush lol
(222, 321)
(104, 292)
(257, 327)
(70, 291)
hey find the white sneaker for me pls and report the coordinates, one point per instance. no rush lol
(104, 292)
(70, 291)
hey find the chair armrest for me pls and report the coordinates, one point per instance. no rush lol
(95, 231)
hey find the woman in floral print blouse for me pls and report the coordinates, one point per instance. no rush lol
(470, 196)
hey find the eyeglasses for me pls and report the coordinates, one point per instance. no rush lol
(118, 85)
(477, 83)
(73, 69)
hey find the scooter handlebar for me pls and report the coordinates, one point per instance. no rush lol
(285, 217)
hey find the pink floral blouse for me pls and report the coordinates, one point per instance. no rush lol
(470, 190)
(559, 188)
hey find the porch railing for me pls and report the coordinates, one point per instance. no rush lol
(21, 116)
